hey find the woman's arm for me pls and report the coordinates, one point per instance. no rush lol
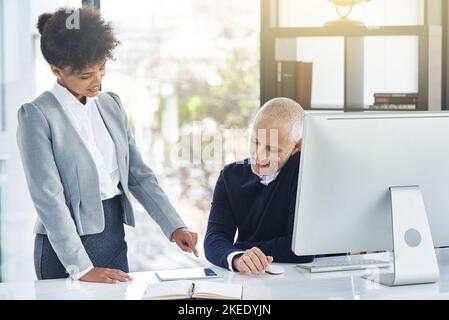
(47, 193)
(144, 186)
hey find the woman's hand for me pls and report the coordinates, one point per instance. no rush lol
(105, 275)
(186, 240)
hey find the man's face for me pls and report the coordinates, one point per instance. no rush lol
(270, 147)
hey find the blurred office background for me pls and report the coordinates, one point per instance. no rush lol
(185, 68)
(190, 72)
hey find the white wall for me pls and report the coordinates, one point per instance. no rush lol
(327, 55)
(19, 216)
(26, 74)
(391, 65)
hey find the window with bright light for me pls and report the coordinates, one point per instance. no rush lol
(44, 78)
(2, 198)
(188, 74)
(2, 81)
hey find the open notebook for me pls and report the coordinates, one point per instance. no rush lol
(185, 289)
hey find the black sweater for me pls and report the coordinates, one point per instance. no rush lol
(263, 215)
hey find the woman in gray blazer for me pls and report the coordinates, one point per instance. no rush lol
(81, 161)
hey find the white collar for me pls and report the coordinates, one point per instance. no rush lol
(266, 180)
(65, 97)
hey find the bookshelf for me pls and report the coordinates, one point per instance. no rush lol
(429, 61)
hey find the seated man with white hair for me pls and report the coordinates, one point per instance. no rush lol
(257, 196)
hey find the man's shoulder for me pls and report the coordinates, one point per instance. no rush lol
(237, 174)
(237, 167)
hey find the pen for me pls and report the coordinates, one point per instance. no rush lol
(191, 290)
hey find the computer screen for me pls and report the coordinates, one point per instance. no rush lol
(348, 164)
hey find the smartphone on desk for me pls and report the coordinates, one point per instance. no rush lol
(187, 274)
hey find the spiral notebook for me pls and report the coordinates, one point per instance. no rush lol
(185, 289)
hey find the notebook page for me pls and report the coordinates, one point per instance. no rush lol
(168, 290)
(209, 289)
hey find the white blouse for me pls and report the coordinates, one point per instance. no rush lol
(90, 126)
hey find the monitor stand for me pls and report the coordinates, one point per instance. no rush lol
(414, 254)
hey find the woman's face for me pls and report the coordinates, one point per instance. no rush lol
(82, 83)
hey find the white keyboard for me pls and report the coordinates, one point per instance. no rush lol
(322, 265)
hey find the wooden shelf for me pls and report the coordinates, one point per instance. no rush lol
(352, 31)
(358, 108)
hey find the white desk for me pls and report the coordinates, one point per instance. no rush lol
(293, 284)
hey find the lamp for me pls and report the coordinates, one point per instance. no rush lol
(344, 21)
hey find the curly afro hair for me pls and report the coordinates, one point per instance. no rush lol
(76, 46)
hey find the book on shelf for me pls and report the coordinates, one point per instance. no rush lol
(391, 100)
(304, 84)
(185, 289)
(396, 94)
(393, 106)
(395, 101)
(286, 77)
(294, 81)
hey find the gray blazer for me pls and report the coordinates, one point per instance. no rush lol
(63, 180)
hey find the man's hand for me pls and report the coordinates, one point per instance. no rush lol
(253, 260)
(106, 276)
(186, 240)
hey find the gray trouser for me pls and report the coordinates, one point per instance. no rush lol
(106, 250)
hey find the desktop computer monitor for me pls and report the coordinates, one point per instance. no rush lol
(375, 182)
